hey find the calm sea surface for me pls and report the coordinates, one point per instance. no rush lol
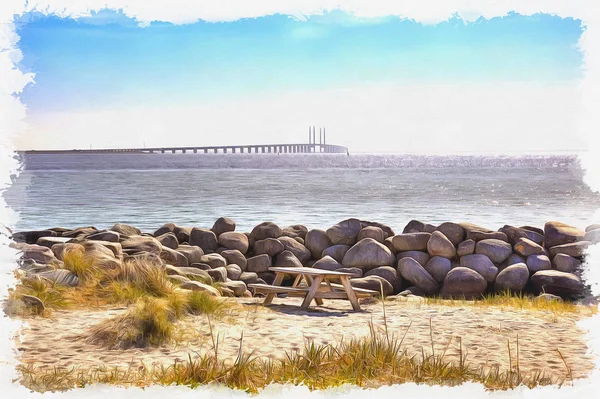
(315, 190)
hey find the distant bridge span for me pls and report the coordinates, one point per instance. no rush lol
(223, 149)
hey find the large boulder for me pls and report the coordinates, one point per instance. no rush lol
(259, 263)
(481, 264)
(31, 237)
(316, 241)
(48, 242)
(345, 232)
(80, 232)
(60, 277)
(198, 286)
(218, 274)
(95, 248)
(453, 231)
(168, 240)
(412, 271)
(60, 250)
(387, 230)
(205, 239)
(233, 256)
(463, 282)
(466, 247)
(183, 234)
(192, 253)
(251, 278)
(557, 283)
(478, 235)
(126, 230)
(299, 250)
(513, 278)
(238, 287)
(223, 225)
(535, 263)
(533, 229)
(513, 259)
(557, 233)
(373, 283)
(173, 257)
(287, 259)
(295, 231)
(213, 260)
(565, 263)
(592, 236)
(337, 252)
(388, 273)
(327, 263)
(526, 247)
(234, 240)
(137, 244)
(415, 226)
(513, 234)
(37, 253)
(265, 230)
(574, 249)
(496, 250)
(419, 256)
(440, 245)
(410, 242)
(368, 254)
(233, 272)
(269, 246)
(371, 232)
(105, 235)
(190, 273)
(438, 267)
(165, 228)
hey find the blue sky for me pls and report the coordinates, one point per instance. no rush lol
(108, 60)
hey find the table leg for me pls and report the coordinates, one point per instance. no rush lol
(297, 280)
(309, 280)
(314, 287)
(350, 292)
(278, 279)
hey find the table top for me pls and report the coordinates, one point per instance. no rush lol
(309, 271)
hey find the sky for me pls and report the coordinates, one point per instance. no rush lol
(384, 84)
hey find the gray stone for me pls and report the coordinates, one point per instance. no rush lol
(513, 259)
(548, 298)
(233, 271)
(213, 260)
(238, 287)
(250, 278)
(295, 231)
(234, 240)
(259, 263)
(192, 253)
(526, 247)
(337, 252)
(387, 230)
(557, 233)
(388, 273)
(481, 264)
(316, 241)
(204, 238)
(565, 263)
(218, 274)
(412, 290)
(110, 236)
(268, 277)
(513, 278)
(410, 242)
(352, 270)
(440, 245)
(481, 235)
(198, 286)
(168, 240)
(61, 277)
(32, 237)
(373, 283)
(223, 225)
(299, 250)
(453, 231)
(466, 247)
(412, 271)
(59, 250)
(371, 232)
(265, 230)
(415, 226)
(496, 250)
(233, 256)
(268, 246)
(419, 256)
(201, 266)
(137, 244)
(37, 253)
(557, 283)
(535, 263)
(463, 282)
(327, 263)
(592, 236)
(95, 248)
(165, 228)
(438, 267)
(575, 249)
(173, 257)
(368, 254)
(190, 273)
(345, 232)
(287, 259)
(126, 230)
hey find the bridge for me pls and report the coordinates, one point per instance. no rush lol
(303, 148)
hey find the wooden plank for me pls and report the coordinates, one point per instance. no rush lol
(277, 282)
(309, 279)
(310, 271)
(311, 293)
(351, 295)
(356, 289)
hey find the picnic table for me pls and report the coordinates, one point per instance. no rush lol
(318, 285)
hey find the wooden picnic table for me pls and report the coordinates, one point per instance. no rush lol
(318, 286)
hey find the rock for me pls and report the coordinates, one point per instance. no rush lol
(575, 249)
(60, 250)
(33, 303)
(533, 229)
(463, 282)
(198, 286)
(337, 252)
(234, 240)
(190, 273)
(327, 263)
(106, 248)
(238, 287)
(515, 233)
(137, 244)
(173, 257)
(223, 225)
(37, 253)
(526, 247)
(440, 245)
(125, 230)
(513, 278)
(287, 259)
(48, 242)
(295, 231)
(374, 283)
(352, 270)
(481, 264)
(183, 234)
(106, 235)
(548, 298)
(438, 267)
(480, 235)
(233, 256)
(265, 230)
(587, 229)
(368, 254)
(453, 231)
(592, 236)
(299, 239)
(557, 233)
(496, 250)
(387, 230)
(268, 277)
(410, 242)
(389, 244)
(412, 290)
(565, 263)
(192, 253)
(466, 247)
(80, 232)
(61, 277)
(513, 259)
(201, 266)
(168, 240)
(31, 237)
(415, 226)
(213, 260)
(268, 246)
(345, 232)
(412, 271)
(177, 279)
(249, 278)
(299, 250)
(388, 273)
(33, 267)
(535, 263)
(557, 283)
(218, 274)
(233, 272)
(165, 228)
(419, 256)
(205, 239)
(371, 232)
(316, 241)
(259, 263)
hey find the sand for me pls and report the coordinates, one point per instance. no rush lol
(283, 327)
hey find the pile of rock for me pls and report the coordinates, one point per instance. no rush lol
(450, 260)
